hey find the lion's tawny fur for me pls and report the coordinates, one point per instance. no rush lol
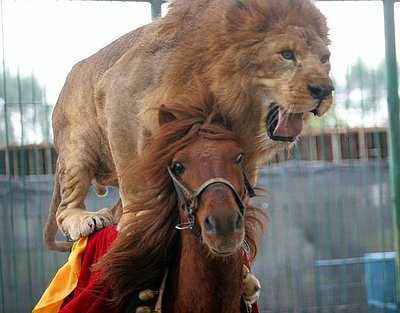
(104, 115)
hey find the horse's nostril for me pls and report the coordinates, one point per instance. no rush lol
(225, 224)
(210, 224)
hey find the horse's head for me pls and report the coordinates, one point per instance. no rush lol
(212, 190)
(195, 163)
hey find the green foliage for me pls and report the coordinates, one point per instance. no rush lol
(364, 87)
(17, 89)
(24, 114)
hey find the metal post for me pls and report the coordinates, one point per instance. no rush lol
(394, 121)
(155, 8)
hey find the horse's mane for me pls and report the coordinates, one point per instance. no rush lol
(145, 247)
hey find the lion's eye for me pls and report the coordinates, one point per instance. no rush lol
(325, 58)
(288, 54)
(240, 159)
(178, 168)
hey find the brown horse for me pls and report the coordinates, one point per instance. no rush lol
(190, 216)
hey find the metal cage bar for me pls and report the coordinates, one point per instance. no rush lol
(394, 119)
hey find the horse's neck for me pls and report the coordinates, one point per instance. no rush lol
(200, 284)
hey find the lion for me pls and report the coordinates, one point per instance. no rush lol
(266, 63)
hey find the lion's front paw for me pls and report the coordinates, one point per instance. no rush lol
(82, 223)
(251, 286)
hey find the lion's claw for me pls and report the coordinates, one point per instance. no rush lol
(83, 223)
(91, 223)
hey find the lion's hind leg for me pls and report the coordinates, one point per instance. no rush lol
(75, 176)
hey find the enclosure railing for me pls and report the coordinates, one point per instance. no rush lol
(316, 145)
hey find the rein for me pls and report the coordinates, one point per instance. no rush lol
(188, 198)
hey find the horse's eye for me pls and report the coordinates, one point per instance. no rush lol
(325, 58)
(288, 54)
(179, 168)
(240, 159)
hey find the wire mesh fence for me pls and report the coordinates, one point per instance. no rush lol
(322, 212)
(328, 199)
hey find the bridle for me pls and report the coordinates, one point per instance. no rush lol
(188, 203)
(188, 199)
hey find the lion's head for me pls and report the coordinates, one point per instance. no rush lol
(291, 80)
(282, 49)
(267, 63)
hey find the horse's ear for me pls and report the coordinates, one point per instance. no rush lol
(165, 116)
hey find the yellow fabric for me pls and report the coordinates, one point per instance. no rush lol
(64, 282)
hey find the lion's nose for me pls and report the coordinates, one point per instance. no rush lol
(320, 91)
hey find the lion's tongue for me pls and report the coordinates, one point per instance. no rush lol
(289, 124)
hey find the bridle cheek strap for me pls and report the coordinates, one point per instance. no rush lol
(188, 199)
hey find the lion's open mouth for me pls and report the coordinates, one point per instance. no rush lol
(283, 126)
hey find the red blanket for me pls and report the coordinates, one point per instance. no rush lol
(88, 296)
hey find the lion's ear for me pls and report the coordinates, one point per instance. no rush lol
(165, 116)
